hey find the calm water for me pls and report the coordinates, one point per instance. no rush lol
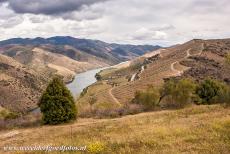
(82, 81)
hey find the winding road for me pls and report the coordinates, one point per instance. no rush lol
(178, 72)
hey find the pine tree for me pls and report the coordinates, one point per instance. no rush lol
(57, 103)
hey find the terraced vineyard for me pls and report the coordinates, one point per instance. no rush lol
(158, 70)
(196, 59)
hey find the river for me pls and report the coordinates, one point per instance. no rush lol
(83, 80)
(80, 82)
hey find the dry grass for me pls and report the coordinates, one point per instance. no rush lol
(198, 129)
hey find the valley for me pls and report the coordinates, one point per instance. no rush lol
(114, 77)
(29, 65)
(104, 93)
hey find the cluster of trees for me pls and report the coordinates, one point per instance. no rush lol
(185, 91)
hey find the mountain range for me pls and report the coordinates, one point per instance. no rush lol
(78, 49)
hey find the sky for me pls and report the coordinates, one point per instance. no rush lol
(156, 22)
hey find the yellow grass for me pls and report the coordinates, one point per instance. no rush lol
(198, 129)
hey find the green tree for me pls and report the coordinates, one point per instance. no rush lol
(181, 92)
(57, 104)
(208, 91)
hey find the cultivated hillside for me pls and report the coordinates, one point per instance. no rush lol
(197, 59)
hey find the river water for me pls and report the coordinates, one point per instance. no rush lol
(80, 82)
(83, 80)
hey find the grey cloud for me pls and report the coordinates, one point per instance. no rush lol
(11, 22)
(86, 13)
(49, 7)
(163, 27)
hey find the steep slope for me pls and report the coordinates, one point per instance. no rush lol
(43, 61)
(20, 87)
(197, 59)
(193, 59)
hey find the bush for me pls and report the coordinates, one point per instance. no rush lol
(223, 95)
(6, 114)
(209, 91)
(227, 58)
(149, 99)
(96, 147)
(181, 92)
(57, 103)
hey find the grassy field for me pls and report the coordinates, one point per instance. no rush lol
(197, 129)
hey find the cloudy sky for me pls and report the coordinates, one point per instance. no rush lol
(163, 22)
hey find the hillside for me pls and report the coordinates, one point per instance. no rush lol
(20, 87)
(42, 60)
(198, 129)
(26, 70)
(197, 59)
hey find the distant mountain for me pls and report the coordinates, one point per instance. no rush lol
(110, 53)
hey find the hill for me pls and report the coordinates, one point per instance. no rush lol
(42, 60)
(196, 59)
(20, 87)
(197, 129)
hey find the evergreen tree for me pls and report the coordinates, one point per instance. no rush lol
(57, 104)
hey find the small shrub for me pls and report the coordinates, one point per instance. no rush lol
(96, 147)
(180, 92)
(6, 114)
(208, 91)
(149, 98)
(12, 115)
(227, 58)
(223, 95)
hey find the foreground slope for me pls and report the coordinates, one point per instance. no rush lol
(198, 129)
